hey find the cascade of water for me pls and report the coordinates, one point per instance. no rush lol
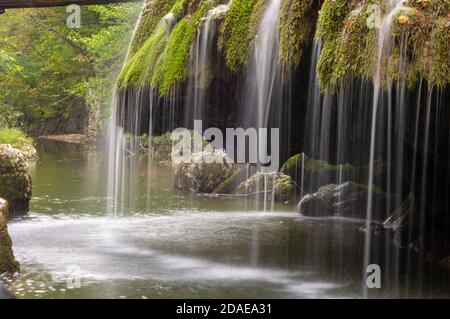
(383, 48)
(389, 144)
(263, 92)
(202, 54)
(132, 116)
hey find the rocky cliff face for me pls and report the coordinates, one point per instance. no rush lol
(15, 181)
(7, 261)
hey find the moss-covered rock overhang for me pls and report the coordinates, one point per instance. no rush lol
(420, 42)
(160, 51)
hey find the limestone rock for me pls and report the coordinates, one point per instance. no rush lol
(348, 200)
(15, 182)
(7, 261)
(281, 184)
(204, 172)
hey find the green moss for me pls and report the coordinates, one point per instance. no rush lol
(173, 65)
(238, 31)
(295, 25)
(140, 67)
(293, 165)
(420, 46)
(440, 70)
(348, 43)
(162, 59)
(331, 18)
(152, 14)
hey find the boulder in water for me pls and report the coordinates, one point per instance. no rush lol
(278, 185)
(7, 261)
(348, 200)
(204, 172)
(310, 173)
(229, 185)
(15, 182)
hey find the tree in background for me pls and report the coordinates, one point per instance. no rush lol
(53, 79)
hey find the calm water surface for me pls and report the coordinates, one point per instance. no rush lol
(180, 246)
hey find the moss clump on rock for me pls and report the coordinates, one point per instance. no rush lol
(8, 263)
(348, 44)
(310, 173)
(173, 66)
(238, 30)
(162, 59)
(420, 43)
(295, 25)
(151, 16)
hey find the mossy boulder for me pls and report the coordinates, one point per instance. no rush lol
(7, 261)
(204, 171)
(347, 200)
(278, 186)
(15, 181)
(310, 173)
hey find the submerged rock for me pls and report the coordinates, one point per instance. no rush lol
(204, 172)
(348, 200)
(15, 182)
(7, 261)
(278, 185)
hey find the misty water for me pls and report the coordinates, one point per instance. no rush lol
(186, 246)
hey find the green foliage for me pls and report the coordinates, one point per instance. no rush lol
(15, 137)
(238, 31)
(52, 77)
(295, 25)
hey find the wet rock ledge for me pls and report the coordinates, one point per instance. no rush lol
(8, 263)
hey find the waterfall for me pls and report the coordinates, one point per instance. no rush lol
(133, 110)
(201, 65)
(263, 98)
(391, 135)
(383, 48)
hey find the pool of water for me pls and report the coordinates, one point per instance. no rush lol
(186, 246)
